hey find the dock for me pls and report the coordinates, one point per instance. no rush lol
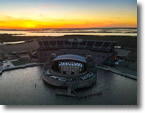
(64, 92)
(72, 93)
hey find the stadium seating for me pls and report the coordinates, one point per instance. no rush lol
(106, 46)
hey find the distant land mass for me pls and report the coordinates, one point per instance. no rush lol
(69, 28)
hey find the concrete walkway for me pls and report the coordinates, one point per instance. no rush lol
(7, 65)
(119, 72)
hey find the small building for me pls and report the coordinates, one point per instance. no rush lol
(122, 53)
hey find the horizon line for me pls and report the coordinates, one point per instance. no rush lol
(68, 28)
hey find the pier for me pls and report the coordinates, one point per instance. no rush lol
(73, 93)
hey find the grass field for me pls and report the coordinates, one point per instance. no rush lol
(20, 62)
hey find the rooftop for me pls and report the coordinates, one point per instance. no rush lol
(70, 57)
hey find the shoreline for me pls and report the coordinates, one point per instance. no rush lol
(133, 77)
(33, 45)
(20, 67)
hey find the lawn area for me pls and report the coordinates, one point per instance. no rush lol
(20, 62)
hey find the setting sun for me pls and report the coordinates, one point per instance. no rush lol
(63, 14)
(29, 25)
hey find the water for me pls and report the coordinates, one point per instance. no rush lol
(62, 32)
(18, 87)
(16, 42)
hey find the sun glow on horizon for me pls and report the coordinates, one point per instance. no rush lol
(68, 14)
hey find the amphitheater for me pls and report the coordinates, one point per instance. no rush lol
(72, 62)
(101, 51)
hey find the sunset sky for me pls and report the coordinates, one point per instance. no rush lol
(37, 14)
